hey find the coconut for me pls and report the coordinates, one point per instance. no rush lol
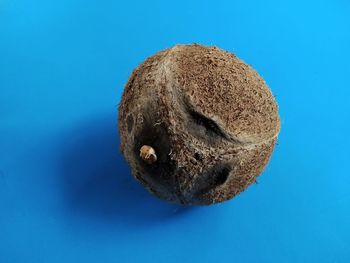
(197, 124)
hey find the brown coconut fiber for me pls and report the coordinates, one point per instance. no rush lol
(197, 124)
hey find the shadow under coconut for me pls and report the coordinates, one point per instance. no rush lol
(97, 181)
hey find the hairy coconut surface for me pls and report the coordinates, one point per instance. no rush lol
(209, 119)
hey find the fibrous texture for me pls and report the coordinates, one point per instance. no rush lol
(209, 117)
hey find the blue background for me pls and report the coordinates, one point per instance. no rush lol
(66, 194)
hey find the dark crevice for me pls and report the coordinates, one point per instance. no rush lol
(221, 176)
(157, 138)
(217, 176)
(159, 175)
(211, 128)
(197, 156)
(130, 122)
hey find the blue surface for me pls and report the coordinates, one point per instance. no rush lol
(66, 195)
